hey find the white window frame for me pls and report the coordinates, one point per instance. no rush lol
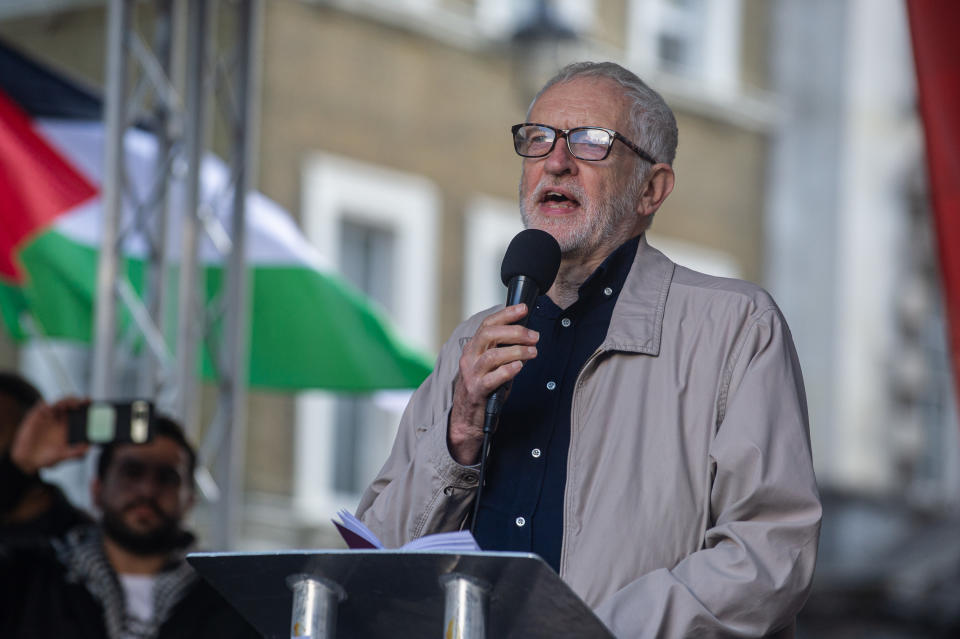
(699, 258)
(490, 225)
(717, 67)
(500, 18)
(337, 188)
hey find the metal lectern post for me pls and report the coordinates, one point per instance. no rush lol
(465, 606)
(315, 603)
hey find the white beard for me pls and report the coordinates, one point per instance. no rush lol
(596, 224)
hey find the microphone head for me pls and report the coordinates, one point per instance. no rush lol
(532, 253)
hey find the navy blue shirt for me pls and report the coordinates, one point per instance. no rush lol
(522, 504)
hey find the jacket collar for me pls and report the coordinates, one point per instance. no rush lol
(637, 321)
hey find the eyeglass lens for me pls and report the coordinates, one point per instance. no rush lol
(584, 143)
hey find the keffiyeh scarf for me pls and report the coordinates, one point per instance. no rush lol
(81, 552)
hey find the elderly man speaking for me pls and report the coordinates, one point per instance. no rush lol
(654, 448)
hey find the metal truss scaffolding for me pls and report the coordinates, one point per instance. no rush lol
(170, 88)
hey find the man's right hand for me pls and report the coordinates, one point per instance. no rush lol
(41, 440)
(492, 357)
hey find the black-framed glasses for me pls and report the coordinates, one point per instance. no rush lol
(590, 143)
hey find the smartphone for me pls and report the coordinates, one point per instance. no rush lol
(104, 422)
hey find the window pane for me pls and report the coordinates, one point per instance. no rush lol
(366, 260)
(672, 52)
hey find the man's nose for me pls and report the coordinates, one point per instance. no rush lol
(146, 484)
(559, 161)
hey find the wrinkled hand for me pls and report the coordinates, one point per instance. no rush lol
(492, 357)
(41, 440)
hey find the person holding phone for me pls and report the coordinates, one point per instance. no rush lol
(123, 577)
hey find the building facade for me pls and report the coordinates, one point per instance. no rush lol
(384, 130)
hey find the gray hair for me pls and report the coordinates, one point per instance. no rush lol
(654, 128)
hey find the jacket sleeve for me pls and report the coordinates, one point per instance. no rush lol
(13, 484)
(754, 570)
(421, 489)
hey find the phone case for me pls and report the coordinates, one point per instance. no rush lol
(105, 422)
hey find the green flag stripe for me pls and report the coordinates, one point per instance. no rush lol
(321, 333)
(307, 329)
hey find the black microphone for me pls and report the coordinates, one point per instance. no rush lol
(529, 267)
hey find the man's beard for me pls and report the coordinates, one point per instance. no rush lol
(165, 537)
(600, 219)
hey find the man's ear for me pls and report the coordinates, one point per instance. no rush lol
(656, 188)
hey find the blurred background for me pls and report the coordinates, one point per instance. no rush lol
(381, 128)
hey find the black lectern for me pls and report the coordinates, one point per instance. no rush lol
(372, 594)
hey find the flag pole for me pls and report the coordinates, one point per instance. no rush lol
(154, 370)
(188, 310)
(102, 386)
(234, 350)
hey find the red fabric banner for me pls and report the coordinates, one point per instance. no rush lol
(36, 185)
(935, 31)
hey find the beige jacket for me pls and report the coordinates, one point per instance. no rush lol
(691, 508)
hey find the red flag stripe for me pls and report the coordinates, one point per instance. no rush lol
(37, 184)
(934, 29)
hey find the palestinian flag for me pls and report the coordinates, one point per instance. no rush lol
(308, 328)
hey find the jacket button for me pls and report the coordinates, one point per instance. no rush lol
(535, 453)
(551, 385)
(608, 291)
(521, 522)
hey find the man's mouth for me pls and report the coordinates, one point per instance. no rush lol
(558, 199)
(144, 507)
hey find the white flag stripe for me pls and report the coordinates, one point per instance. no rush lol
(273, 239)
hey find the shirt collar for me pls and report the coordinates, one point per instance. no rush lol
(611, 273)
(613, 270)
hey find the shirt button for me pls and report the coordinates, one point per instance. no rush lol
(521, 522)
(608, 291)
(535, 453)
(565, 322)
(551, 385)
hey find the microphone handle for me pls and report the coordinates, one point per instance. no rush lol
(520, 290)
